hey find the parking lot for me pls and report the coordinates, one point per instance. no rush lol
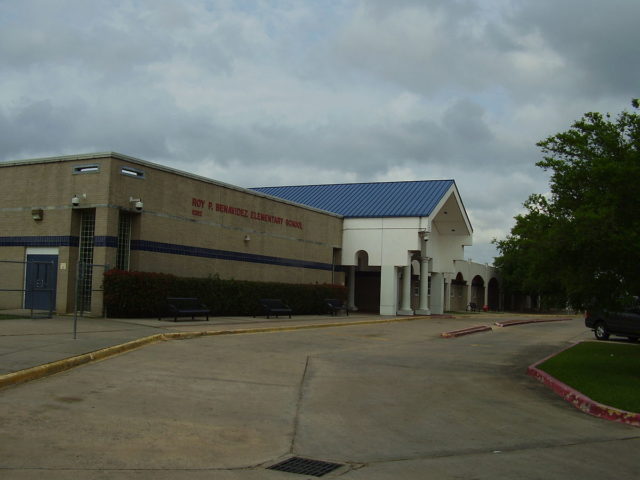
(385, 401)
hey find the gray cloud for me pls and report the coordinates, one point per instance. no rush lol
(307, 92)
(597, 40)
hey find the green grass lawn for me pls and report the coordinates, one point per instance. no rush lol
(608, 373)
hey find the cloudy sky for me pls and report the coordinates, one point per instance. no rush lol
(288, 92)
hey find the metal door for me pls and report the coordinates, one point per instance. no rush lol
(41, 280)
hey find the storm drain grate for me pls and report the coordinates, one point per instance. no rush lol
(304, 466)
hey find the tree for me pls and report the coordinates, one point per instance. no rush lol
(582, 242)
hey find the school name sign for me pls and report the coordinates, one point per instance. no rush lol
(198, 206)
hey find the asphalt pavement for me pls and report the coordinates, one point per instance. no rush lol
(382, 398)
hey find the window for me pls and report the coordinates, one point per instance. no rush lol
(85, 270)
(80, 169)
(131, 172)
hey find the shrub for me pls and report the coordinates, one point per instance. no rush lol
(142, 294)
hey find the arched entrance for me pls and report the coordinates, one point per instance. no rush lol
(477, 291)
(367, 291)
(459, 293)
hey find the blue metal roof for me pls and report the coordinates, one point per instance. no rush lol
(357, 200)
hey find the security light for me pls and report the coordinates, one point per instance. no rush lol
(137, 203)
(37, 214)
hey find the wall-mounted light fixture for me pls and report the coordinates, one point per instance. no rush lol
(37, 214)
(247, 238)
(75, 200)
(424, 235)
(137, 203)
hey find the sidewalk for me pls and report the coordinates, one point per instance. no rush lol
(26, 343)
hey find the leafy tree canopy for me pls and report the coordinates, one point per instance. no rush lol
(581, 243)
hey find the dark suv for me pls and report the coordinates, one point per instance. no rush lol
(625, 323)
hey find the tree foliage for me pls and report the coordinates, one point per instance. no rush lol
(581, 242)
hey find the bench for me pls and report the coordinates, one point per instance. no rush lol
(334, 306)
(274, 306)
(185, 307)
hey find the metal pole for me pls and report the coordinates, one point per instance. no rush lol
(52, 289)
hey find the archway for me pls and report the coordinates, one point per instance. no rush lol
(477, 291)
(458, 293)
(367, 291)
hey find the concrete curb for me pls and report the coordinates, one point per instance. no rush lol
(579, 400)
(510, 323)
(466, 331)
(58, 366)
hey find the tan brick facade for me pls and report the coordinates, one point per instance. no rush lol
(188, 226)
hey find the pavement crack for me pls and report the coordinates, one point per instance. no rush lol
(296, 418)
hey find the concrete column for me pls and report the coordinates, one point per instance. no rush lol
(487, 278)
(423, 307)
(437, 293)
(388, 290)
(486, 296)
(351, 302)
(447, 295)
(405, 307)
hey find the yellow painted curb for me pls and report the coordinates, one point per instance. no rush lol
(58, 366)
(41, 371)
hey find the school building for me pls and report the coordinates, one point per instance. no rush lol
(397, 246)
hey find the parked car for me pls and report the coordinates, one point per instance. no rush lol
(624, 323)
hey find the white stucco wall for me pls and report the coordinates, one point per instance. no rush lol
(470, 269)
(387, 241)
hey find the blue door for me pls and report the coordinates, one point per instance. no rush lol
(42, 272)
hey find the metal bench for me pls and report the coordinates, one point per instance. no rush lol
(334, 306)
(185, 307)
(274, 306)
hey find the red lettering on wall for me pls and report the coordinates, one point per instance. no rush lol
(241, 212)
(294, 224)
(199, 204)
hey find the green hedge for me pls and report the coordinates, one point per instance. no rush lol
(143, 294)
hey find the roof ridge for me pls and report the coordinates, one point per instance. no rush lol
(357, 183)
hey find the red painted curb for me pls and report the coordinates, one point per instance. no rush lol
(581, 401)
(465, 331)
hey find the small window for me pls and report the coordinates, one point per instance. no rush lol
(79, 169)
(131, 172)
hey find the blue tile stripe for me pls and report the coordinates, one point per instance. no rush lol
(167, 248)
(40, 241)
(105, 241)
